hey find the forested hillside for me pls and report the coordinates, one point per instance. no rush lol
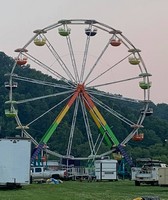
(155, 126)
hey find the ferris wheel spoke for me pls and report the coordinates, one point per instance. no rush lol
(87, 126)
(113, 96)
(48, 68)
(72, 56)
(99, 143)
(85, 56)
(105, 136)
(114, 82)
(59, 60)
(40, 82)
(108, 69)
(72, 128)
(98, 59)
(49, 110)
(113, 112)
(44, 97)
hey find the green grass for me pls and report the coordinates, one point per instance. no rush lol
(75, 190)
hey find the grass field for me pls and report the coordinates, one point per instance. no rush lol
(75, 190)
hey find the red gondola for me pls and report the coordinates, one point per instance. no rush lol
(21, 61)
(115, 42)
(138, 137)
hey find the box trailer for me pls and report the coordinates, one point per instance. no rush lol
(106, 169)
(15, 162)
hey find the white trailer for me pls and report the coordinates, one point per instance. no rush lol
(163, 176)
(15, 154)
(106, 169)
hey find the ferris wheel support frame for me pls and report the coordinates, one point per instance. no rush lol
(102, 125)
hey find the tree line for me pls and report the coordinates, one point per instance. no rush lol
(154, 145)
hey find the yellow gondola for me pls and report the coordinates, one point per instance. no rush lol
(39, 41)
(134, 61)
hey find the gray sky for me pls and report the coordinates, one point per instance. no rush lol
(143, 22)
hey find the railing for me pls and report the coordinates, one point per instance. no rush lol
(78, 172)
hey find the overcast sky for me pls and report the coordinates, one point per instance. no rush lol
(143, 22)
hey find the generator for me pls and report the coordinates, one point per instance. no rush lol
(106, 169)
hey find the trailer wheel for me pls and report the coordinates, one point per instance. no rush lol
(31, 179)
(56, 176)
(154, 183)
(137, 183)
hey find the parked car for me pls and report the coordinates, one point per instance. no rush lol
(42, 174)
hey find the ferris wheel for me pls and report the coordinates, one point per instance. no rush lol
(91, 62)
